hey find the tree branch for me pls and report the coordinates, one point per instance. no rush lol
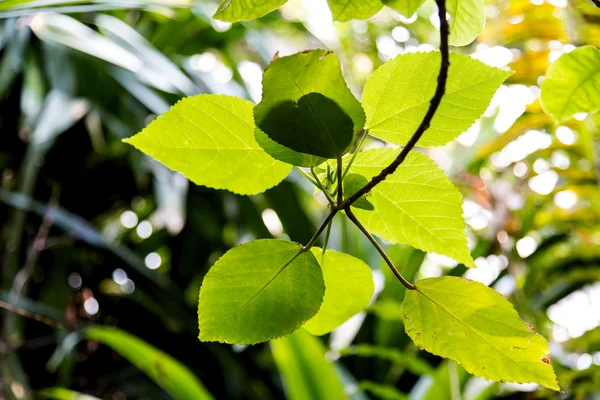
(423, 126)
(387, 259)
(426, 122)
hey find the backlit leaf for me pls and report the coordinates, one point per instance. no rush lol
(474, 325)
(259, 291)
(352, 184)
(468, 20)
(306, 105)
(306, 371)
(346, 10)
(572, 84)
(210, 140)
(405, 7)
(348, 289)
(167, 372)
(396, 97)
(416, 205)
(245, 10)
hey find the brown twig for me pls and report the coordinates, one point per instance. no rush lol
(31, 315)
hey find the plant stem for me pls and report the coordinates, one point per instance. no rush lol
(340, 179)
(307, 176)
(363, 139)
(434, 104)
(320, 186)
(313, 240)
(426, 122)
(387, 259)
(326, 241)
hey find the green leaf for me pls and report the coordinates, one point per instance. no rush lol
(173, 376)
(468, 20)
(63, 394)
(396, 97)
(245, 10)
(259, 291)
(474, 325)
(572, 84)
(282, 153)
(306, 105)
(416, 205)
(210, 140)
(405, 7)
(352, 184)
(306, 372)
(348, 289)
(346, 10)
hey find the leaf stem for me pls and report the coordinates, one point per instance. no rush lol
(387, 259)
(307, 176)
(340, 179)
(320, 186)
(326, 243)
(426, 122)
(363, 139)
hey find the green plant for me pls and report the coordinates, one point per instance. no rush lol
(266, 289)
(569, 88)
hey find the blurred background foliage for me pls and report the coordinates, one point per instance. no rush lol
(94, 235)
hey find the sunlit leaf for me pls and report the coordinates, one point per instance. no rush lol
(210, 140)
(416, 205)
(405, 7)
(348, 289)
(572, 84)
(245, 10)
(164, 370)
(346, 10)
(306, 372)
(306, 105)
(352, 184)
(468, 20)
(396, 97)
(259, 291)
(474, 325)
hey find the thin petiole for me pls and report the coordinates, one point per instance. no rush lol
(340, 179)
(307, 176)
(387, 259)
(320, 186)
(327, 233)
(363, 139)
